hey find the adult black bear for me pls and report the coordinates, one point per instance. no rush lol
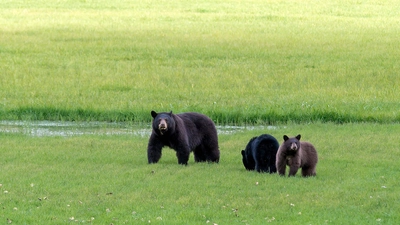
(296, 155)
(184, 133)
(260, 154)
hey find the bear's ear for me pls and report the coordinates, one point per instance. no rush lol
(170, 113)
(298, 137)
(243, 152)
(285, 138)
(153, 114)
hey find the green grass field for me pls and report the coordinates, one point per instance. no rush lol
(236, 61)
(100, 179)
(328, 70)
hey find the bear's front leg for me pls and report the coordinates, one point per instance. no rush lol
(154, 149)
(293, 170)
(182, 153)
(183, 156)
(281, 165)
(294, 164)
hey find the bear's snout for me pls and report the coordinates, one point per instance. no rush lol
(293, 147)
(162, 126)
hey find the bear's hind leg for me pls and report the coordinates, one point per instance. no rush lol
(213, 156)
(210, 147)
(200, 154)
(308, 171)
(257, 167)
(262, 166)
(212, 153)
(272, 168)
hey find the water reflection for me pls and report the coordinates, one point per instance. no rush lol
(65, 129)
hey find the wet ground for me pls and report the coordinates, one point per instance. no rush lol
(51, 128)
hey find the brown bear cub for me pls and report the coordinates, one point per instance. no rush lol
(296, 155)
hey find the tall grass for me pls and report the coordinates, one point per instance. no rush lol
(236, 61)
(100, 179)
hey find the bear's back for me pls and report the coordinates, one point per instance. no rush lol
(197, 126)
(265, 145)
(309, 153)
(196, 121)
(194, 117)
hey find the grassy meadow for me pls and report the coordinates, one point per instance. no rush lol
(102, 179)
(328, 70)
(236, 61)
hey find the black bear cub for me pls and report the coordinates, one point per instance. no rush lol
(185, 132)
(296, 155)
(260, 154)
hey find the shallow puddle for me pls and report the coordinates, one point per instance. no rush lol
(51, 128)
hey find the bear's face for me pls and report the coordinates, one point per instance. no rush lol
(292, 144)
(162, 122)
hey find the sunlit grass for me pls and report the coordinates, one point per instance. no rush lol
(103, 179)
(255, 61)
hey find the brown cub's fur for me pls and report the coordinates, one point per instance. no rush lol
(296, 155)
